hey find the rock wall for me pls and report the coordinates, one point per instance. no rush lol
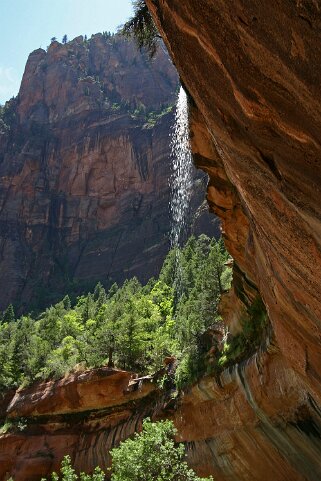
(84, 169)
(252, 72)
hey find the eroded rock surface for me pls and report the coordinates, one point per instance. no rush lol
(252, 71)
(83, 415)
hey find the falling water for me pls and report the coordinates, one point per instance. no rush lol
(181, 184)
(181, 178)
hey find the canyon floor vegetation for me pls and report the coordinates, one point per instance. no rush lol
(131, 327)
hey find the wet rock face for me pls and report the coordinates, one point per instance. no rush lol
(257, 423)
(252, 69)
(84, 170)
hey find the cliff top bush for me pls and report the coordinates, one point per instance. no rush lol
(8, 115)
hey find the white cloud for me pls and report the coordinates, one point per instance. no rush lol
(9, 83)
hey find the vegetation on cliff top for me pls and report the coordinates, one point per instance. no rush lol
(7, 115)
(133, 327)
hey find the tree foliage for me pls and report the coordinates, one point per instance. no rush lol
(8, 116)
(152, 455)
(68, 473)
(131, 327)
(142, 27)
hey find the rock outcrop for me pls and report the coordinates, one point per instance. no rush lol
(83, 415)
(252, 72)
(239, 428)
(84, 169)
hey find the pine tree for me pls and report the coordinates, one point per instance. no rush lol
(64, 39)
(67, 303)
(88, 308)
(9, 315)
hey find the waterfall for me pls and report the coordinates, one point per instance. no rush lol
(181, 184)
(182, 171)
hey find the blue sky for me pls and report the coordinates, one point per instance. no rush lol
(29, 24)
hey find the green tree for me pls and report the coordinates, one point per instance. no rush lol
(64, 39)
(201, 266)
(130, 337)
(99, 296)
(133, 326)
(142, 27)
(88, 309)
(152, 455)
(67, 473)
(9, 315)
(67, 303)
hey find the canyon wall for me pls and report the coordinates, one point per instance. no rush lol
(84, 171)
(251, 70)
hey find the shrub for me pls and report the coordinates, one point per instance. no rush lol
(67, 473)
(152, 455)
(254, 325)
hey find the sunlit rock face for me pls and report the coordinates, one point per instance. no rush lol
(84, 171)
(252, 70)
(83, 415)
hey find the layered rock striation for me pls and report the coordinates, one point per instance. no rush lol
(252, 72)
(84, 170)
(83, 415)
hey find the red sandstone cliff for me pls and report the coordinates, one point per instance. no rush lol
(83, 415)
(84, 170)
(258, 423)
(252, 72)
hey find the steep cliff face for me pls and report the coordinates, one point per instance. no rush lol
(252, 71)
(84, 170)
